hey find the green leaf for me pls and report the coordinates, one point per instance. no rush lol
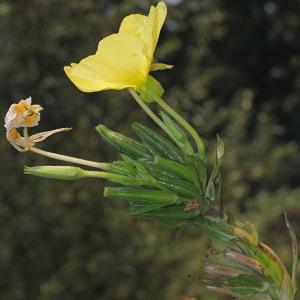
(123, 143)
(157, 144)
(246, 285)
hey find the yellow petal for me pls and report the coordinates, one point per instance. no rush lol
(146, 28)
(160, 66)
(157, 18)
(120, 62)
(133, 24)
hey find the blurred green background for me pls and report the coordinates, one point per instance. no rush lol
(236, 74)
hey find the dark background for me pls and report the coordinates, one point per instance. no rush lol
(236, 74)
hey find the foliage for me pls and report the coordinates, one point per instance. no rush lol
(236, 74)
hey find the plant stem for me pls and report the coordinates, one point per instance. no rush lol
(149, 112)
(125, 180)
(183, 123)
(79, 161)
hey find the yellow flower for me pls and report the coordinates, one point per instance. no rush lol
(123, 60)
(22, 114)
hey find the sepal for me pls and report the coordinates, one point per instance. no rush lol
(150, 90)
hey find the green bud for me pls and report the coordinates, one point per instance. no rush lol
(201, 169)
(156, 143)
(172, 213)
(135, 168)
(124, 180)
(138, 194)
(179, 187)
(119, 167)
(178, 134)
(56, 172)
(150, 89)
(123, 143)
(186, 172)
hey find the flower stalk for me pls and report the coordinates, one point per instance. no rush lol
(187, 126)
(149, 112)
(71, 159)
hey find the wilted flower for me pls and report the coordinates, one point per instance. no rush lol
(18, 141)
(123, 60)
(22, 114)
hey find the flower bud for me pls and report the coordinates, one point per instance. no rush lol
(56, 172)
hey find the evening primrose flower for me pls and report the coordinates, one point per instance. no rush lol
(24, 115)
(18, 141)
(123, 60)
